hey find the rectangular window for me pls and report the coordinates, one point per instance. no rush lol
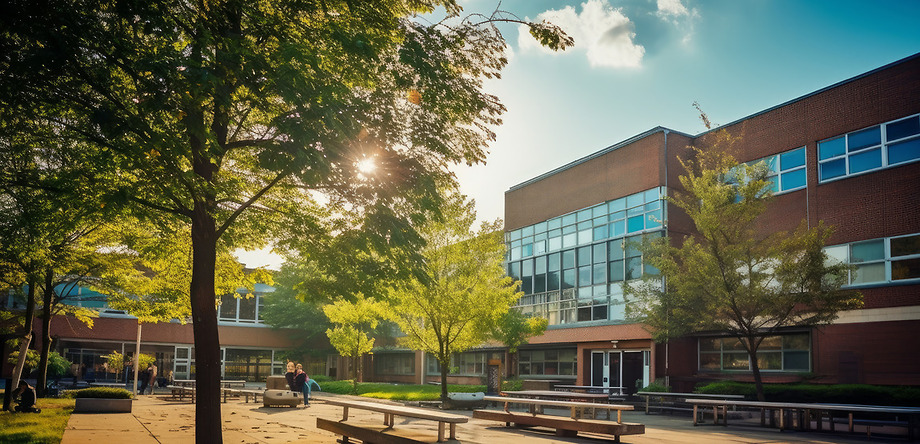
(785, 170)
(882, 260)
(394, 363)
(789, 353)
(870, 149)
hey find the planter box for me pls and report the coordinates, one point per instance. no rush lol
(102, 405)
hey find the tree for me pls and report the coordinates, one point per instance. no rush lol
(115, 362)
(514, 329)
(353, 322)
(221, 114)
(285, 308)
(730, 276)
(464, 290)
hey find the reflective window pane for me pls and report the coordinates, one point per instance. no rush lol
(903, 128)
(868, 273)
(635, 224)
(832, 148)
(867, 251)
(864, 139)
(792, 159)
(905, 246)
(793, 180)
(904, 151)
(830, 170)
(865, 161)
(905, 269)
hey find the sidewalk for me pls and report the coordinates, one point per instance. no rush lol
(158, 421)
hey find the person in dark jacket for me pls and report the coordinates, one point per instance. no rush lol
(300, 381)
(26, 395)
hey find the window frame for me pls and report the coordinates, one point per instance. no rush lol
(883, 146)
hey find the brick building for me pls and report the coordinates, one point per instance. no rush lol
(846, 155)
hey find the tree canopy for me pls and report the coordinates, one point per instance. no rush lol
(731, 276)
(228, 115)
(464, 292)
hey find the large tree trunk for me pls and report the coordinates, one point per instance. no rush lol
(41, 384)
(26, 338)
(444, 370)
(755, 369)
(204, 325)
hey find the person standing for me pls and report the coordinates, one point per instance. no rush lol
(289, 376)
(152, 376)
(300, 382)
(144, 378)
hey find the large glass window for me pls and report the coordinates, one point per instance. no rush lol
(240, 308)
(249, 365)
(557, 362)
(394, 363)
(879, 260)
(791, 353)
(870, 149)
(785, 171)
(466, 364)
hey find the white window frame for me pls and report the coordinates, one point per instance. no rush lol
(883, 146)
(887, 260)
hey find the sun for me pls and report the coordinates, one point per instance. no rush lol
(366, 166)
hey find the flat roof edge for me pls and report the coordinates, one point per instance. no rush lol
(596, 154)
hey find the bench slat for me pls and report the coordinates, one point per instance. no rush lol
(562, 423)
(398, 410)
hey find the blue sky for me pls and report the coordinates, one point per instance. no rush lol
(638, 64)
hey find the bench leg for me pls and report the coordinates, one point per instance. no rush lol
(440, 431)
(453, 431)
(345, 413)
(695, 414)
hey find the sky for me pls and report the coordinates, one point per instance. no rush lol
(638, 64)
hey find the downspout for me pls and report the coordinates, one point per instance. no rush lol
(667, 367)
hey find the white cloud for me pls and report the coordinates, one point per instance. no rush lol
(672, 9)
(603, 32)
(674, 12)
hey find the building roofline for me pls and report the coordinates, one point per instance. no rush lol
(614, 147)
(659, 128)
(814, 93)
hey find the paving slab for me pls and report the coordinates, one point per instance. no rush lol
(157, 420)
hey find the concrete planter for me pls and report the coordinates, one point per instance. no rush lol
(102, 405)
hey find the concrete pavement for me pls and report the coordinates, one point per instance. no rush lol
(156, 420)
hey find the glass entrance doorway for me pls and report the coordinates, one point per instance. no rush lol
(624, 371)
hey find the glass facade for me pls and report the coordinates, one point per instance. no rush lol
(881, 146)
(239, 308)
(462, 364)
(572, 267)
(786, 170)
(880, 261)
(791, 353)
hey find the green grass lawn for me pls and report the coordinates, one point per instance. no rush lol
(401, 392)
(45, 427)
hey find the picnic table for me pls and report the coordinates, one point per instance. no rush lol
(676, 401)
(389, 411)
(805, 412)
(563, 426)
(558, 395)
(618, 391)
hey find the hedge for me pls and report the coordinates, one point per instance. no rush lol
(825, 393)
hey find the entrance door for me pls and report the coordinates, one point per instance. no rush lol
(605, 368)
(633, 372)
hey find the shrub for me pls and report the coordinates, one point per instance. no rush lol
(321, 378)
(100, 392)
(656, 386)
(512, 385)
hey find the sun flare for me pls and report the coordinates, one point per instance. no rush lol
(366, 165)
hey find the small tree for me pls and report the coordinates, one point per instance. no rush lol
(115, 361)
(730, 276)
(353, 322)
(464, 290)
(514, 329)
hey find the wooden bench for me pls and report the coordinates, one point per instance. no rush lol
(245, 393)
(675, 402)
(564, 426)
(372, 434)
(180, 392)
(803, 413)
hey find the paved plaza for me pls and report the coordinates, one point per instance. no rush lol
(157, 420)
